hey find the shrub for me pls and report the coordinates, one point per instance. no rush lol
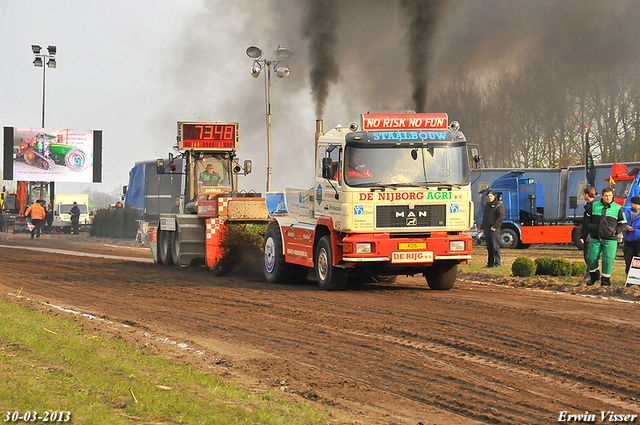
(523, 267)
(119, 223)
(578, 268)
(544, 266)
(561, 267)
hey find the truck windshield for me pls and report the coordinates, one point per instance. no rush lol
(621, 188)
(406, 166)
(213, 175)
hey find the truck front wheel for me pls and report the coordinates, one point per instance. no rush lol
(276, 269)
(330, 278)
(441, 277)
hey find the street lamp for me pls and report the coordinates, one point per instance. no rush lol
(282, 70)
(39, 62)
(51, 63)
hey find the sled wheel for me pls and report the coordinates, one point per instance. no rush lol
(330, 278)
(441, 277)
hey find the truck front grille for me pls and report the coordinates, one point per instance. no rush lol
(400, 216)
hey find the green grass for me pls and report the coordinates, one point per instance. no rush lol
(48, 363)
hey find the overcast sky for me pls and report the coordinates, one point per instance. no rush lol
(134, 68)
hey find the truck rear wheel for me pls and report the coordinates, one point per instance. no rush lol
(509, 238)
(164, 247)
(330, 278)
(441, 277)
(175, 248)
(276, 269)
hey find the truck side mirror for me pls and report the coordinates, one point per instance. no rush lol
(247, 166)
(327, 168)
(474, 152)
(160, 166)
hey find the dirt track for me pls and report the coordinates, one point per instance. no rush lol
(397, 353)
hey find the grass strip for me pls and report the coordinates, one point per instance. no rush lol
(49, 363)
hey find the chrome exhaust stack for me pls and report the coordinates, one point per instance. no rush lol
(318, 135)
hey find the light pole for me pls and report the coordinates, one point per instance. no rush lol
(282, 70)
(51, 63)
(39, 61)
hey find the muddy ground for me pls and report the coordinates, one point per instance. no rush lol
(491, 350)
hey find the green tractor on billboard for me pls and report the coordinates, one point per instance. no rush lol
(40, 151)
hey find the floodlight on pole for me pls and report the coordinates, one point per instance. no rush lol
(51, 63)
(39, 62)
(282, 70)
(254, 52)
(283, 53)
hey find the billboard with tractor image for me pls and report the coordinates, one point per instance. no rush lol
(52, 155)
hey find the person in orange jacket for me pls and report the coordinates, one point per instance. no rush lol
(37, 214)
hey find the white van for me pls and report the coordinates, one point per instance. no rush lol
(62, 204)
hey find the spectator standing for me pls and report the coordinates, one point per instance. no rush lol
(589, 195)
(176, 207)
(493, 215)
(75, 218)
(49, 219)
(631, 236)
(605, 221)
(37, 214)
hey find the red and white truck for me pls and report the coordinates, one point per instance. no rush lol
(392, 197)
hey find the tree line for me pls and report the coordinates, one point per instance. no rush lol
(536, 117)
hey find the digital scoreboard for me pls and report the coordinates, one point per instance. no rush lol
(208, 136)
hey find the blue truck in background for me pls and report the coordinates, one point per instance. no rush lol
(545, 205)
(151, 193)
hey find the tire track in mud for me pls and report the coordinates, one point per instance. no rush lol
(499, 355)
(484, 386)
(232, 303)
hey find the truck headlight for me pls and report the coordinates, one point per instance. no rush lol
(363, 248)
(456, 246)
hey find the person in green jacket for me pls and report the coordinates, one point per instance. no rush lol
(209, 177)
(605, 221)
